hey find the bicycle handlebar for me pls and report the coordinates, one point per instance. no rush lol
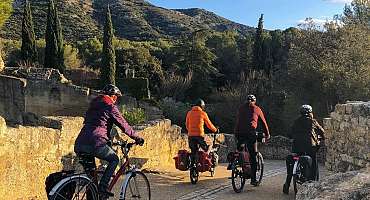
(124, 144)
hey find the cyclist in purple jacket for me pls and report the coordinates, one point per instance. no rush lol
(95, 134)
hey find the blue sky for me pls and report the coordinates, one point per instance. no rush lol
(278, 14)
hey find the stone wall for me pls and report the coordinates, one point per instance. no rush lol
(47, 92)
(12, 98)
(28, 154)
(348, 136)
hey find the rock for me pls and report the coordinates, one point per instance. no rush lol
(353, 185)
(347, 136)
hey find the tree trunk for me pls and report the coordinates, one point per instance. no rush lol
(2, 66)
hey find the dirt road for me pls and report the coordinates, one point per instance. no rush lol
(176, 185)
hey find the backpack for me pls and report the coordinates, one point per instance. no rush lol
(54, 178)
(182, 160)
(205, 162)
(306, 166)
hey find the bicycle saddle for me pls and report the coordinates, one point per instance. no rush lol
(87, 160)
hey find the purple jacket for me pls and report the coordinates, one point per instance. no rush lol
(99, 119)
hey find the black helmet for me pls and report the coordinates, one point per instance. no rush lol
(200, 103)
(305, 109)
(111, 89)
(251, 98)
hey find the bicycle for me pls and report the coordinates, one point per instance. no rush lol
(194, 170)
(241, 168)
(134, 186)
(302, 170)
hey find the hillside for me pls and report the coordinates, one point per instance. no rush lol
(132, 19)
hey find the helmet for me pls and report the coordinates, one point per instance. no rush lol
(305, 109)
(111, 89)
(251, 98)
(200, 103)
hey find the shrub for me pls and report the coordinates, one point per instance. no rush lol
(133, 116)
(175, 86)
(71, 59)
(175, 111)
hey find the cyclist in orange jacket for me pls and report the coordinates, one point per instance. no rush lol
(195, 120)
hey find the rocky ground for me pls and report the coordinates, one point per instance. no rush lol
(353, 185)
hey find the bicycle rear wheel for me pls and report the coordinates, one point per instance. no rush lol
(137, 187)
(194, 175)
(76, 188)
(295, 184)
(237, 178)
(260, 166)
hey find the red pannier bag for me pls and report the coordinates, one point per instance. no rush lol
(205, 162)
(243, 157)
(246, 162)
(182, 160)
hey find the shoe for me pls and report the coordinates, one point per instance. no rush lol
(230, 166)
(285, 189)
(254, 183)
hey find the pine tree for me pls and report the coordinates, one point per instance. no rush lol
(5, 11)
(54, 48)
(258, 52)
(28, 49)
(108, 68)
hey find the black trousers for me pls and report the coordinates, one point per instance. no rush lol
(249, 141)
(196, 142)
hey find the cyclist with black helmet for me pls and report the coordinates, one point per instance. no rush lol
(306, 133)
(249, 115)
(95, 133)
(195, 119)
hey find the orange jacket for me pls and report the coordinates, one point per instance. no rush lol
(195, 120)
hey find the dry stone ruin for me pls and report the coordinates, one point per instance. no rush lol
(348, 152)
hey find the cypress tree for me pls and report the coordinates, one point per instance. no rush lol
(258, 53)
(108, 68)
(54, 48)
(28, 49)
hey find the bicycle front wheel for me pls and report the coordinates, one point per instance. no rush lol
(260, 165)
(137, 187)
(76, 188)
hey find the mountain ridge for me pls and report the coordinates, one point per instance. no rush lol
(132, 19)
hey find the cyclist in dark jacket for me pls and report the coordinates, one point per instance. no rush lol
(95, 133)
(306, 133)
(245, 131)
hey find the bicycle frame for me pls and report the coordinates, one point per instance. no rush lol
(296, 161)
(123, 170)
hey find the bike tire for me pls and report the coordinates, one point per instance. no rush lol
(213, 169)
(295, 187)
(237, 175)
(194, 175)
(260, 167)
(76, 188)
(137, 187)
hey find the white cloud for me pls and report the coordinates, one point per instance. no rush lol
(339, 1)
(319, 23)
(313, 20)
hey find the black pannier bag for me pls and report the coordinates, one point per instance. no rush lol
(54, 178)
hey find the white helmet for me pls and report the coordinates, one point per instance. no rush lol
(305, 109)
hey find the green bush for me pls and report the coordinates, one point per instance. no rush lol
(175, 111)
(133, 116)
